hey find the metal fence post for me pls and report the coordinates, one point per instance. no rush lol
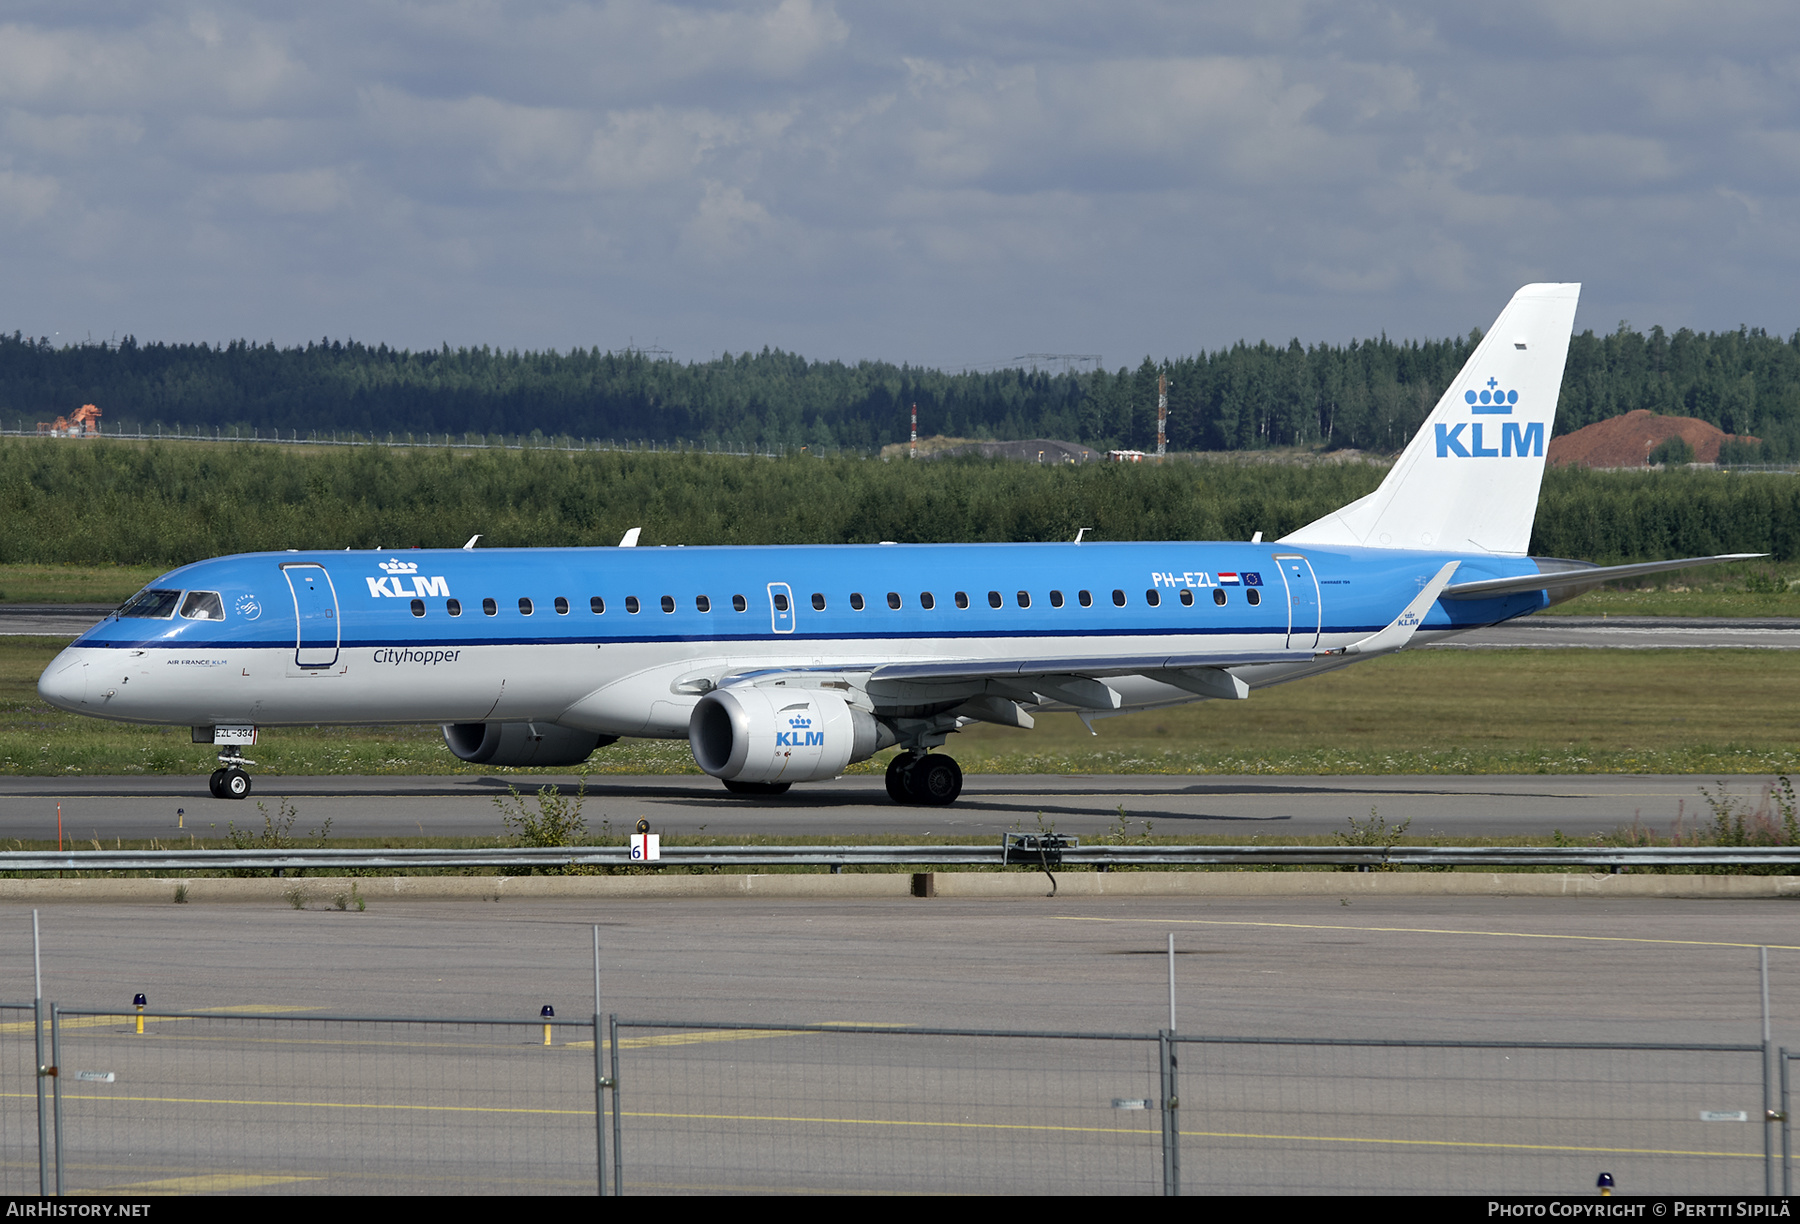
(43, 1069)
(1787, 1148)
(600, 1082)
(56, 1093)
(1768, 1105)
(618, 1140)
(1171, 1128)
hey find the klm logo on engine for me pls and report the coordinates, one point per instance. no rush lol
(799, 736)
(1516, 441)
(403, 581)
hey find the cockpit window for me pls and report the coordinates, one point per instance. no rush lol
(203, 605)
(158, 605)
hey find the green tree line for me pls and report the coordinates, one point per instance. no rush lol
(113, 502)
(1367, 395)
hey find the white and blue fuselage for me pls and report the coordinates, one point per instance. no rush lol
(622, 642)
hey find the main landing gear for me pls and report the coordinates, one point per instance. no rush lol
(229, 781)
(922, 780)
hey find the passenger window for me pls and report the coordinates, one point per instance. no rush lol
(562, 606)
(1219, 596)
(927, 600)
(781, 601)
(596, 605)
(962, 599)
(818, 602)
(668, 603)
(1118, 599)
(524, 606)
(203, 605)
(453, 607)
(894, 600)
(738, 603)
(1153, 598)
(702, 604)
(1086, 598)
(856, 601)
(994, 600)
(490, 607)
(632, 605)
(1254, 596)
(1024, 599)
(1187, 598)
(155, 605)
(418, 607)
(1056, 599)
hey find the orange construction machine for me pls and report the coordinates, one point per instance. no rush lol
(85, 422)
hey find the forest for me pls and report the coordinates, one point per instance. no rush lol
(1366, 395)
(114, 502)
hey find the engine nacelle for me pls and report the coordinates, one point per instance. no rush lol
(522, 743)
(780, 734)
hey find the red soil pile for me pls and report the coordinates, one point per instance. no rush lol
(1626, 441)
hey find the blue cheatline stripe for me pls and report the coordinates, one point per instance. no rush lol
(812, 639)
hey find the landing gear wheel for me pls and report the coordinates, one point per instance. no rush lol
(235, 785)
(764, 789)
(216, 784)
(896, 778)
(934, 781)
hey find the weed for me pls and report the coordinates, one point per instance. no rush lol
(277, 833)
(1375, 831)
(557, 821)
(181, 894)
(295, 897)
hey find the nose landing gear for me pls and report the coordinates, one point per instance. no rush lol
(922, 780)
(229, 781)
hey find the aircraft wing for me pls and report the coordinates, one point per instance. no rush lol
(994, 690)
(1581, 575)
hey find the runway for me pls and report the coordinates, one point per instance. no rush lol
(991, 804)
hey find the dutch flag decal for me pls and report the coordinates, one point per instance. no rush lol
(1228, 580)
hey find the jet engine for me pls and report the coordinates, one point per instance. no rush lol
(779, 734)
(522, 743)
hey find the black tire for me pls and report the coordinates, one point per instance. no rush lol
(896, 778)
(216, 784)
(236, 784)
(936, 781)
(758, 789)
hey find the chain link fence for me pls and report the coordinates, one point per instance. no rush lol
(304, 1104)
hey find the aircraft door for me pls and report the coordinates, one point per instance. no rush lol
(781, 608)
(316, 610)
(1304, 612)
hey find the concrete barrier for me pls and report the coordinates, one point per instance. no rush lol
(325, 891)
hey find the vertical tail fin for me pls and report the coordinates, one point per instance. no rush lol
(1468, 481)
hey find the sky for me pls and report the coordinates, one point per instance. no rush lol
(939, 183)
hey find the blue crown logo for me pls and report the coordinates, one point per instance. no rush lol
(1491, 401)
(800, 722)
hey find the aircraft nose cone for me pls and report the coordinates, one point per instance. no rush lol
(64, 684)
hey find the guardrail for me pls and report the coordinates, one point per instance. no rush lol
(1016, 852)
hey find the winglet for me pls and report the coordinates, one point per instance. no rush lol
(1398, 634)
(630, 538)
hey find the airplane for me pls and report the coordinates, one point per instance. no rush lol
(786, 664)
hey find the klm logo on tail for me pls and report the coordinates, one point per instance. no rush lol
(1516, 441)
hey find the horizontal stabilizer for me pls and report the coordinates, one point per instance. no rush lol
(1582, 575)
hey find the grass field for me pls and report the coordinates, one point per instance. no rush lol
(1512, 711)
